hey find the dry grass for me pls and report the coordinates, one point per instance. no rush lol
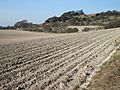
(109, 77)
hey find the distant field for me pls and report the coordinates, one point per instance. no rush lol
(42, 61)
(11, 36)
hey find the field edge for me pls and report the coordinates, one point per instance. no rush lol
(108, 77)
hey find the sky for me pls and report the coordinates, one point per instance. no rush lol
(37, 11)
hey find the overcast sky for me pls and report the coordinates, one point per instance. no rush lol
(37, 11)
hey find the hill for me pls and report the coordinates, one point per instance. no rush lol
(108, 19)
(80, 18)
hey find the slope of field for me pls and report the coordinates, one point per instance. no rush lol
(55, 61)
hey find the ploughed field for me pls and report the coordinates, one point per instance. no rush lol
(53, 61)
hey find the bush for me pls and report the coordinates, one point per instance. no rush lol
(39, 30)
(47, 28)
(112, 24)
(33, 29)
(71, 30)
(86, 29)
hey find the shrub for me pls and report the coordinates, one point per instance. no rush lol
(71, 30)
(47, 28)
(34, 29)
(112, 24)
(86, 29)
(39, 30)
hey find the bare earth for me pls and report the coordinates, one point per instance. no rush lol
(11, 36)
(41, 61)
